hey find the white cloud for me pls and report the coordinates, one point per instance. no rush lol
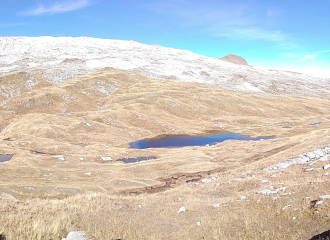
(250, 33)
(312, 56)
(58, 7)
(309, 56)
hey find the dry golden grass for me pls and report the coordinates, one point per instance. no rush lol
(113, 216)
(56, 197)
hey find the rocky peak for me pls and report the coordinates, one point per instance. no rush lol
(234, 59)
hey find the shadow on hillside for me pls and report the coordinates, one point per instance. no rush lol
(2, 237)
(323, 236)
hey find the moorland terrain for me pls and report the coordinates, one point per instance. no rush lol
(69, 107)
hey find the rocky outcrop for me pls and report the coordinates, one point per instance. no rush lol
(316, 155)
(234, 59)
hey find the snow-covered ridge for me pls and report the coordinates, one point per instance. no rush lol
(65, 57)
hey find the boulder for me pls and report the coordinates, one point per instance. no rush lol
(182, 209)
(7, 196)
(76, 236)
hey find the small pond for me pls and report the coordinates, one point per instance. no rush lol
(286, 127)
(134, 160)
(315, 124)
(5, 158)
(185, 141)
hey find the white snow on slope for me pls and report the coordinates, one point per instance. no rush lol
(64, 57)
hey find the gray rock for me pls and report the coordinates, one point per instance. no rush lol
(319, 152)
(244, 173)
(308, 169)
(319, 203)
(312, 163)
(268, 192)
(7, 196)
(286, 207)
(325, 197)
(76, 236)
(182, 209)
(311, 155)
(241, 198)
(105, 159)
(325, 167)
(303, 159)
(318, 155)
(60, 157)
(324, 159)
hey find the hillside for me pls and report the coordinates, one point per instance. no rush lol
(60, 59)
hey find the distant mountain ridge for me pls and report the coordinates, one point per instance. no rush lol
(59, 59)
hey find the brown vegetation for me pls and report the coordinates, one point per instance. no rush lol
(97, 115)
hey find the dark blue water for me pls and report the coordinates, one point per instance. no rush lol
(5, 158)
(315, 124)
(185, 141)
(134, 160)
(39, 153)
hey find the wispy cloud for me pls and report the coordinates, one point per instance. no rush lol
(230, 21)
(310, 56)
(57, 7)
(313, 56)
(248, 33)
(273, 13)
(6, 25)
(242, 26)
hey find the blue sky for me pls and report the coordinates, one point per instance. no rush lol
(278, 34)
